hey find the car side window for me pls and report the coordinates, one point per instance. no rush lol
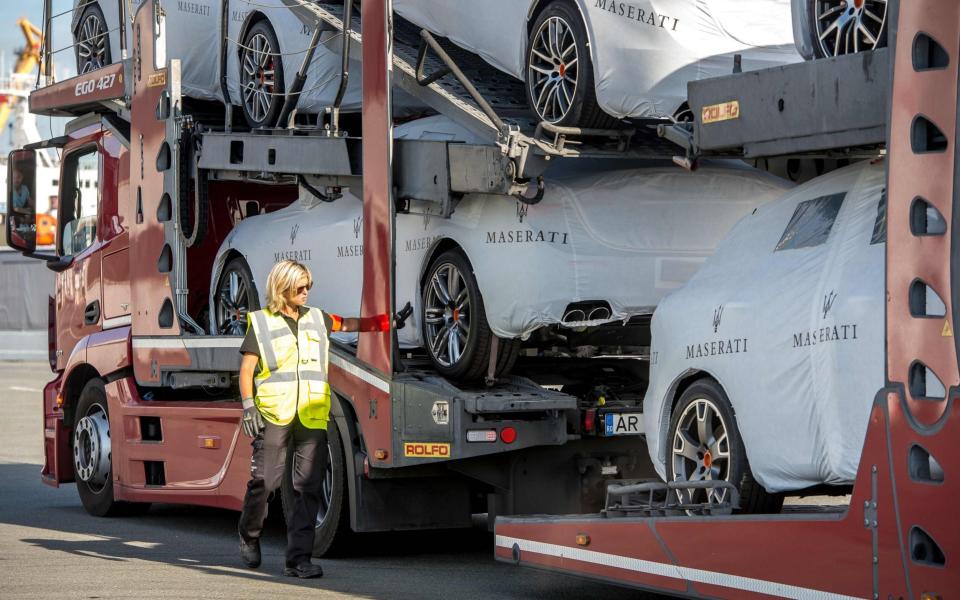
(79, 201)
(811, 222)
(880, 225)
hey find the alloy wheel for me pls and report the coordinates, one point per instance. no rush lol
(258, 76)
(91, 449)
(233, 307)
(92, 45)
(847, 26)
(701, 451)
(448, 314)
(553, 69)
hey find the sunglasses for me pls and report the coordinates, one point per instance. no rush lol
(304, 288)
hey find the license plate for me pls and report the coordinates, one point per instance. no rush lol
(623, 424)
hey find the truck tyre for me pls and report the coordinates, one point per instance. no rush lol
(92, 40)
(559, 74)
(704, 443)
(333, 534)
(92, 455)
(236, 297)
(454, 323)
(262, 86)
(839, 27)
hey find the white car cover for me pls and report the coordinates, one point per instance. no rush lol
(192, 29)
(644, 52)
(626, 236)
(794, 336)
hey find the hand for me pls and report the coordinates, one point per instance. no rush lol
(252, 422)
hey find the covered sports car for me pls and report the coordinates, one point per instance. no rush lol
(603, 245)
(588, 62)
(768, 359)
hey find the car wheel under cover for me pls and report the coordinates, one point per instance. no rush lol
(92, 40)
(332, 535)
(846, 26)
(454, 324)
(261, 76)
(236, 297)
(559, 72)
(704, 443)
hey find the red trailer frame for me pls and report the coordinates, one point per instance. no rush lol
(897, 538)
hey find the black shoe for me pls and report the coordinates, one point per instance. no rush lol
(250, 552)
(304, 571)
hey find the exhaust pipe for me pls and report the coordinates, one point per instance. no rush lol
(600, 313)
(574, 316)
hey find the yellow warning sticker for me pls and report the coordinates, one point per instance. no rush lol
(947, 331)
(720, 112)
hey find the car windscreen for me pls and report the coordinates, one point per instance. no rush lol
(811, 222)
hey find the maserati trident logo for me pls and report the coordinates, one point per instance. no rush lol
(293, 233)
(522, 210)
(828, 302)
(717, 315)
(357, 227)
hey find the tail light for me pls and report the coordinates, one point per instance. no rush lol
(52, 333)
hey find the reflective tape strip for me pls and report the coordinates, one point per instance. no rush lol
(312, 376)
(759, 586)
(374, 380)
(278, 333)
(281, 377)
(266, 346)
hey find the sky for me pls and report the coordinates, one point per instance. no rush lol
(11, 40)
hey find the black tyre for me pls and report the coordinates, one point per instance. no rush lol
(559, 72)
(705, 444)
(839, 27)
(92, 40)
(454, 323)
(236, 297)
(333, 534)
(93, 456)
(261, 76)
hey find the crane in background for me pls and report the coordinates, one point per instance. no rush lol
(27, 61)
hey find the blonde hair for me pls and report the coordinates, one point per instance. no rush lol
(281, 280)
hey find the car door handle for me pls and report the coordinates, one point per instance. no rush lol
(91, 314)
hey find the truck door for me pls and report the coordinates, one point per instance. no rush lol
(78, 290)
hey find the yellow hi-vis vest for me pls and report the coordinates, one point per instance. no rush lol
(293, 369)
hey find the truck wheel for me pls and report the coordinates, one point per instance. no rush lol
(236, 296)
(559, 76)
(261, 76)
(333, 533)
(455, 329)
(92, 455)
(846, 26)
(705, 444)
(92, 40)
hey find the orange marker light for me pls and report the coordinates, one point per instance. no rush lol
(583, 539)
(380, 454)
(59, 400)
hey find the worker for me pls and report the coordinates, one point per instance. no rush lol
(284, 357)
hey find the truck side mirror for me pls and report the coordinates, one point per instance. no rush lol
(22, 200)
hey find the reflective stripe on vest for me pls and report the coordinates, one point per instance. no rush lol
(293, 369)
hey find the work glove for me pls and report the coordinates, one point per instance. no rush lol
(252, 422)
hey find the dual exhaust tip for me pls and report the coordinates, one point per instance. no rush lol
(580, 312)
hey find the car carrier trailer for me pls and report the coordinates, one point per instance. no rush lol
(896, 539)
(409, 450)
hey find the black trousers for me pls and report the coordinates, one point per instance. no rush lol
(307, 449)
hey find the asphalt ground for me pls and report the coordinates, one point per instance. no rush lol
(51, 548)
